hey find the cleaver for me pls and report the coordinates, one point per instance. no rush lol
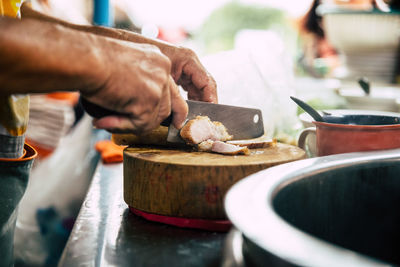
(240, 122)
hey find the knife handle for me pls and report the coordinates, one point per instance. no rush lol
(97, 111)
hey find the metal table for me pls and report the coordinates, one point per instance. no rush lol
(106, 233)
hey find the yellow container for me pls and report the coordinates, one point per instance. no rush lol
(14, 109)
(10, 8)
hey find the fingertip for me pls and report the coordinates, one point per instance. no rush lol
(212, 90)
(178, 124)
(179, 118)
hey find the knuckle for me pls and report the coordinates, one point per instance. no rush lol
(188, 52)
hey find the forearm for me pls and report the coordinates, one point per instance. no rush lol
(167, 49)
(186, 68)
(38, 57)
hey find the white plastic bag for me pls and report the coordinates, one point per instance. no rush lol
(60, 182)
(258, 73)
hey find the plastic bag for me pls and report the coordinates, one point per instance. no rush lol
(258, 73)
(55, 192)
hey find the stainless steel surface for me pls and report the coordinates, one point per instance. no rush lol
(339, 210)
(107, 234)
(232, 253)
(241, 122)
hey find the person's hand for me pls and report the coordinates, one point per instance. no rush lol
(188, 72)
(137, 83)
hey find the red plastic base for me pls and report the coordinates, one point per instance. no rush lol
(209, 225)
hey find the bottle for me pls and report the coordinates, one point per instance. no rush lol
(14, 109)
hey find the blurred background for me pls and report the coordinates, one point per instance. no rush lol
(259, 51)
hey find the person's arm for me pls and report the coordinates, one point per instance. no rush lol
(133, 79)
(39, 58)
(186, 68)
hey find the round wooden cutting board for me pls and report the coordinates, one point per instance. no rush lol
(185, 183)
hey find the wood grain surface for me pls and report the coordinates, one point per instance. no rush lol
(192, 184)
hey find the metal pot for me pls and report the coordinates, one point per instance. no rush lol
(339, 210)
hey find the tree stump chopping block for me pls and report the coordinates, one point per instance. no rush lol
(191, 184)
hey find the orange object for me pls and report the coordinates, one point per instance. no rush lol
(29, 153)
(42, 151)
(110, 152)
(14, 110)
(10, 8)
(335, 138)
(70, 97)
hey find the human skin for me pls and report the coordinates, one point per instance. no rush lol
(136, 77)
(186, 68)
(130, 78)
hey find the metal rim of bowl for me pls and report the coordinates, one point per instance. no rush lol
(248, 205)
(307, 120)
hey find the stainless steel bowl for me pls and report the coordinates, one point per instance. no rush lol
(339, 210)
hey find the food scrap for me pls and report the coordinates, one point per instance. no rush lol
(260, 142)
(224, 148)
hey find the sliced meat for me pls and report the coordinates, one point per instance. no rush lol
(222, 148)
(202, 129)
(205, 145)
(259, 142)
(229, 149)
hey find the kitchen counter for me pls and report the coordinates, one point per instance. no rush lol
(106, 233)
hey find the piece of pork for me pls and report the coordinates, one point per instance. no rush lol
(229, 149)
(202, 129)
(222, 148)
(260, 142)
(205, 146)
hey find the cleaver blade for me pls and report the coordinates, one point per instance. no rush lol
(240, 122)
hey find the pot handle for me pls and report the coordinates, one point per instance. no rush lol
(302, 140)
